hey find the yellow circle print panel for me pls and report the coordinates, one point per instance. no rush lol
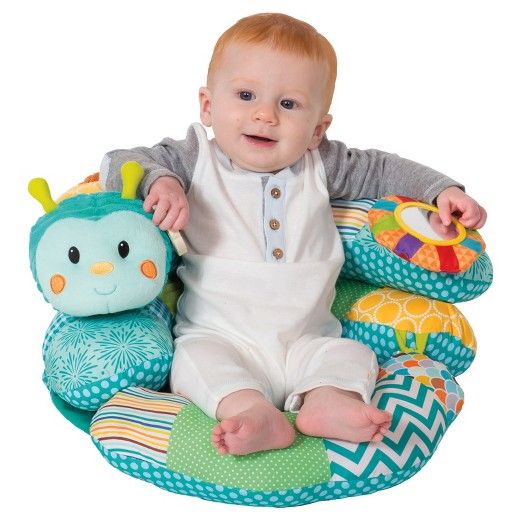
(411, 312)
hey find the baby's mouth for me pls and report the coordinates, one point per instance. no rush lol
(258, 139)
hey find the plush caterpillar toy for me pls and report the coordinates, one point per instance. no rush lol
(100, 261)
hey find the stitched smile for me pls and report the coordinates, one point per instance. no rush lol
(105, 292)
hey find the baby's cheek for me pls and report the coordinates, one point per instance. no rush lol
(57, 283)
(149, 269)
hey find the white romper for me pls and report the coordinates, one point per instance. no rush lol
(263, 258)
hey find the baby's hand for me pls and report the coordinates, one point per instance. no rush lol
(171, 206)
(454, 201)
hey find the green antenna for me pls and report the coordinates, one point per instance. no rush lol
(131, 173)
(39, 189)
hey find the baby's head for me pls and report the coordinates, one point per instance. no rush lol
(270, 85)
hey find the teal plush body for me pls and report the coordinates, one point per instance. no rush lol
(89, 359)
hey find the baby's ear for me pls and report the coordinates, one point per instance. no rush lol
(205, 105)
(319, 131)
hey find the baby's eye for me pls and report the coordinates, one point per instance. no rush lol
(74, 254)
(245, 95)
(288, 104)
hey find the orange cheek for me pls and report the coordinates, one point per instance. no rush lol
(57, 283)
(148, 269)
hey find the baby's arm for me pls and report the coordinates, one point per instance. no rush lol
(353, 174)
(168, 167)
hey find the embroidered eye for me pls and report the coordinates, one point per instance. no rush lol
(123, 249)
(287, 103)
(245, 95)
(74, 254)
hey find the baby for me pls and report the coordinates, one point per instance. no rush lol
(254, 331)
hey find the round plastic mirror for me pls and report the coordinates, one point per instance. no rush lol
(423, 222)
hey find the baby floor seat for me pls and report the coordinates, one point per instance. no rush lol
(107, 371)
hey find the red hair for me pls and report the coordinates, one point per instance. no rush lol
(283, 33)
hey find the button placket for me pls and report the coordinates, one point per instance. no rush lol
(274, 202)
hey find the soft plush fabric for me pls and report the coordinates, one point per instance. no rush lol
(391, 321)
(136, 432)
(98, 253)
(369, 261)
(99, 259)
(97, 225)
(190, 453)
(87, 360)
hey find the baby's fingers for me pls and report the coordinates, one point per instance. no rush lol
(161, 210)
(444, 208)
(483, 218)
(182, 219)
(168, 220)
(474, 219)
(176, 218)
(150, 201)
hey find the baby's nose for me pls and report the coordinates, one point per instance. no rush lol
(266, 114)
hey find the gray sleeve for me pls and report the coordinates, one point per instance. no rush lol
(354, 174)
(168, 158)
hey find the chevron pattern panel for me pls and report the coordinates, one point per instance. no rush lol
(418, 424)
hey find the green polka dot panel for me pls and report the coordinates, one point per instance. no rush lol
(348, 292)
(190, 451)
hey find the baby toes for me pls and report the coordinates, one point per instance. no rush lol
(378, 437)
(379, 417)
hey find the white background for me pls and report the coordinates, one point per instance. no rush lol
(436, 82)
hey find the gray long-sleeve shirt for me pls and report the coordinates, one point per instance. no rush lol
(351, 173)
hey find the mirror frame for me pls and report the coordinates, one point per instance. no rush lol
(427, 240)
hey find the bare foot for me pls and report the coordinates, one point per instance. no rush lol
(337, 414)
(259, 428)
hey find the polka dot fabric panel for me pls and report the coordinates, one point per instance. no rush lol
(133, 431)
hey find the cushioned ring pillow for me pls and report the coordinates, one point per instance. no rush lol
(164, 439)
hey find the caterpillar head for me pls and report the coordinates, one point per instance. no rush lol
(98, 253)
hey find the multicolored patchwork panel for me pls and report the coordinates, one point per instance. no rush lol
(391, 321)
(165, 440)
(441, 255)
(369, 261)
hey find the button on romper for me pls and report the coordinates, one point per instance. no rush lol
(263, 258)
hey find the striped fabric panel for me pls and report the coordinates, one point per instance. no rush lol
(137, 422)
(350, 216)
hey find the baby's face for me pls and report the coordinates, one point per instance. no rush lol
(265, 106)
